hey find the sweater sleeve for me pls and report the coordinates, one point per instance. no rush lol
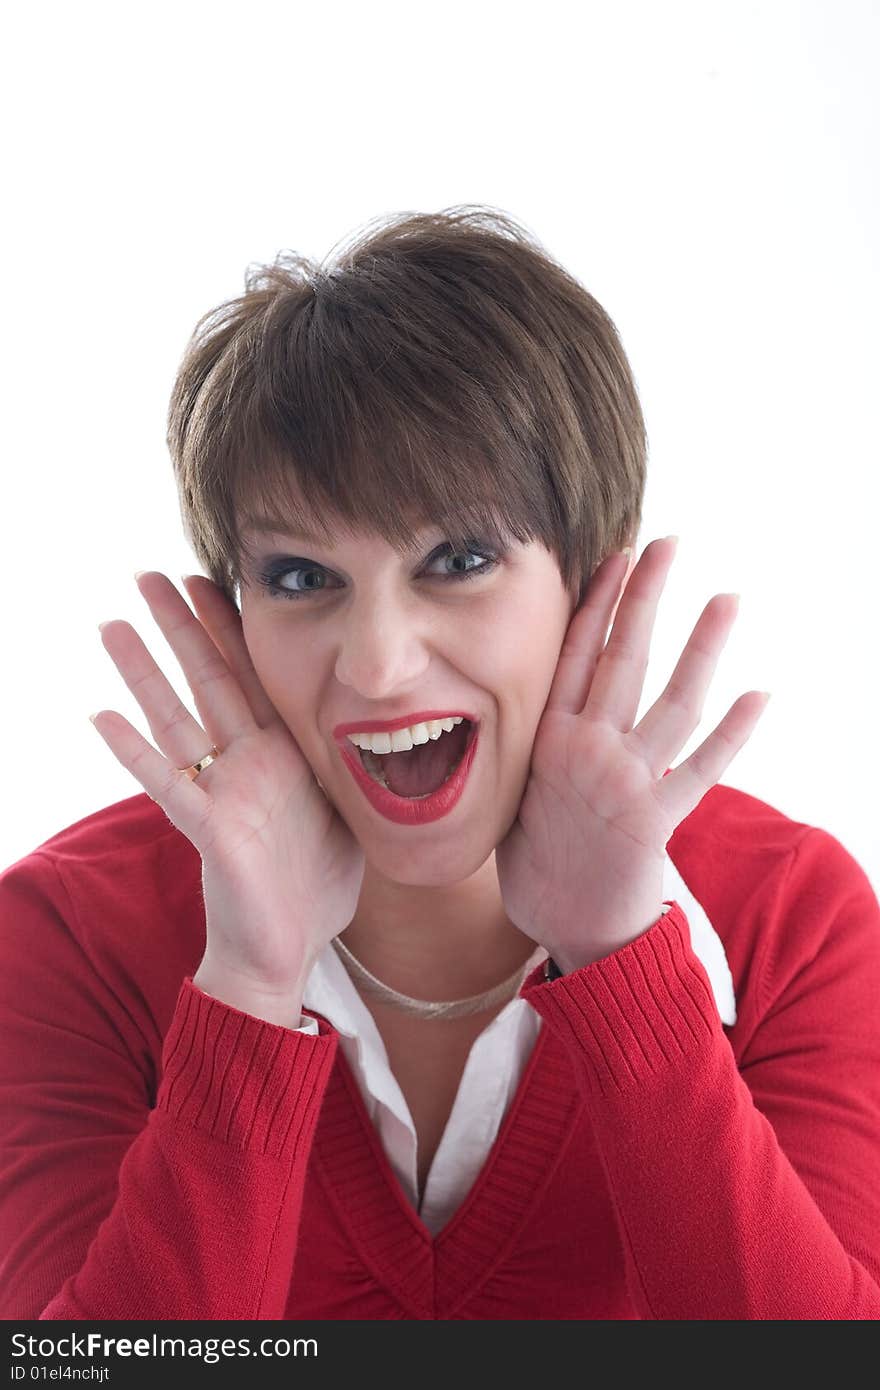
(744, 1187)
(122, 1199)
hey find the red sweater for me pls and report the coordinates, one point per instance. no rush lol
(163, 1155)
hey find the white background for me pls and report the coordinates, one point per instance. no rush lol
(707, 170)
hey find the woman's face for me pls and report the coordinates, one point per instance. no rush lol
(373, 636)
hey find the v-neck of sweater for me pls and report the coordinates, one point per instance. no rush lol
(421, 1270)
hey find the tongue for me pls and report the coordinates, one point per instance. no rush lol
(424, 768)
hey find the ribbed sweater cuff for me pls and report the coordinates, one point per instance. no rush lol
(254, 1085)
(630, 1017)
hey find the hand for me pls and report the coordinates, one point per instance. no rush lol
(281, 871)
(581, 869)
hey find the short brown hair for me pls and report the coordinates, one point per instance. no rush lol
(443, 369)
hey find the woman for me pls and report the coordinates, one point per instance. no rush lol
(432, 990)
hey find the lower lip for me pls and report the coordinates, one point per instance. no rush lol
(402, 809)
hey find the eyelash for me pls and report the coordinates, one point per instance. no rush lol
(269, 579)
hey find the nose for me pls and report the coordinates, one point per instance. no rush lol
(383, 647)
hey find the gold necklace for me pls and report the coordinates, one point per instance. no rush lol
(426, 1008)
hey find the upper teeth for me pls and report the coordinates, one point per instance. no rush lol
(401, 740)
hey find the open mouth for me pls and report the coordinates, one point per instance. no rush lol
(420, 771)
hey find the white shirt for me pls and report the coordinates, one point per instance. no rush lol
(492, 1072)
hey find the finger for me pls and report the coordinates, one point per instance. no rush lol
(671, 720)
(617, 685)
(586, 635)
(178, 735)
(183, 802)
(222, 622)
(684, 787)
(220, 701)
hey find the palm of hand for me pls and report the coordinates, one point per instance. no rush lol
(581, 869)
(281, 871)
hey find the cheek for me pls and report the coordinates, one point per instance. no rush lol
(281, 671)
(521, 656)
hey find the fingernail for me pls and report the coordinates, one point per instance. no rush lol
(101, 626)
(672, 538)
(138, 573)
(93, 717)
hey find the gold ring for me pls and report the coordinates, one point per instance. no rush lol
(194, 769)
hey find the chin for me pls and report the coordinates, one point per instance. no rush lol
(428, 865)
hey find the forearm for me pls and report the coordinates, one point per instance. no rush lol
(209, 1194)
(715, 1221)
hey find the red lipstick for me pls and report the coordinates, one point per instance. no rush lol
(404, 810)
(388, 726)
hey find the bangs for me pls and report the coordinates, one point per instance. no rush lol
(332, 497)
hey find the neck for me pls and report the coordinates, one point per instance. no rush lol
(446, 942)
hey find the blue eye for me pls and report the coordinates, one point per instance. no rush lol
(282, 569)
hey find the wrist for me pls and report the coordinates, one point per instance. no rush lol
(279, 1006)
(563, 962)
